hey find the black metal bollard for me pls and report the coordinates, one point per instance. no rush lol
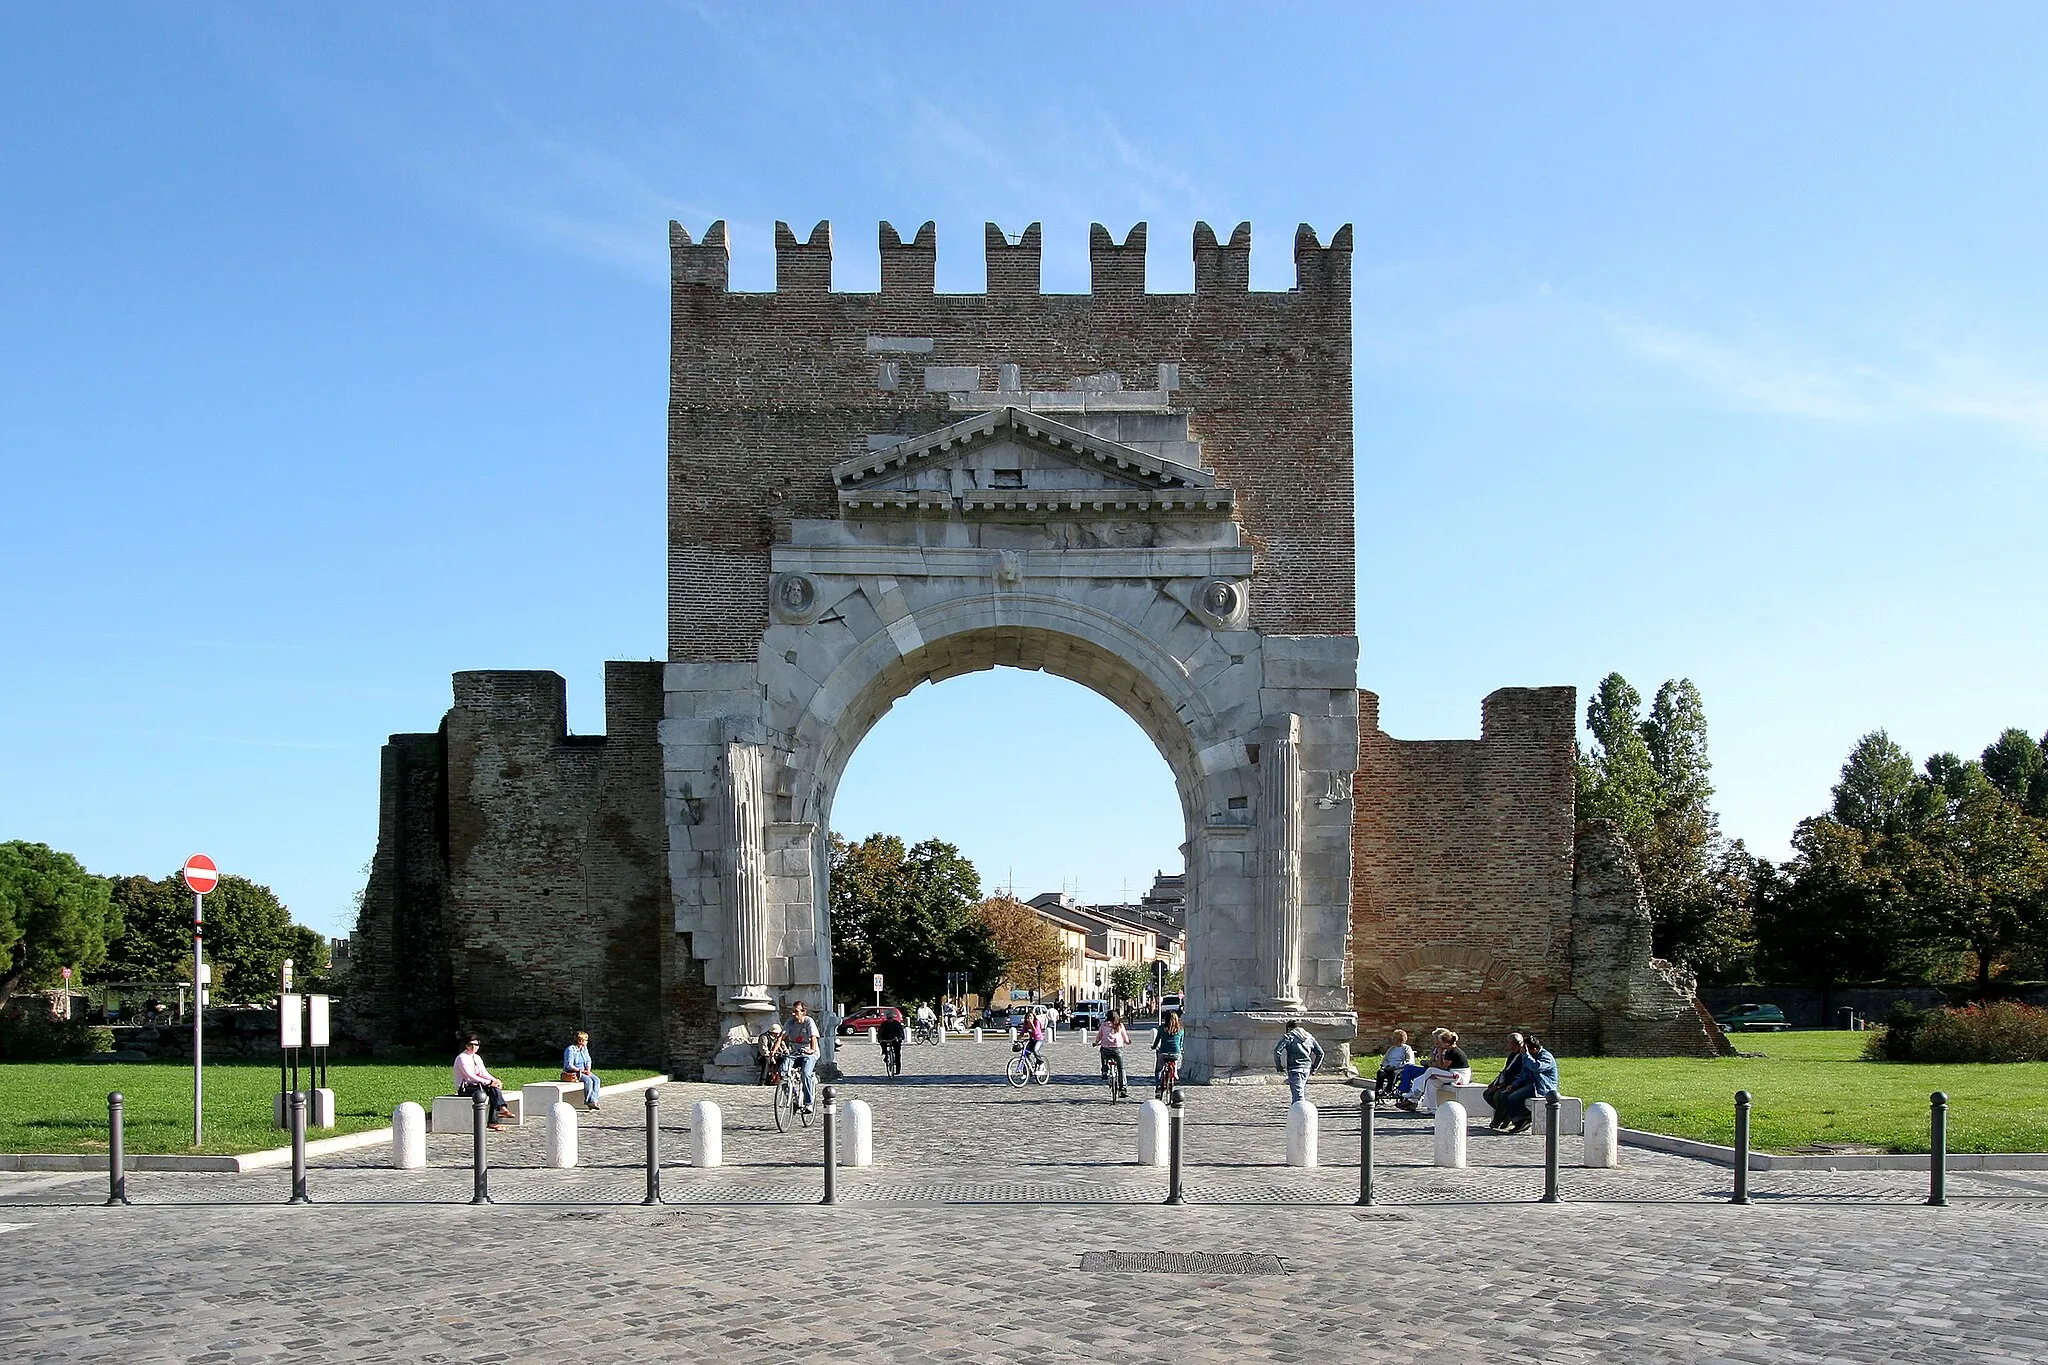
(117, 1159)
(479, 1120)
(1176, 1113)
(831, 1129)
(297, 1108)
(1741, 1195)
(1550, 1195)
(1937, 1150)
(1367, 1107)
(653, 1146)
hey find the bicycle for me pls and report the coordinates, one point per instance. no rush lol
(1029, 1068)
(789, 1097)
(922, 1032)
(1167, 1078)
(1113, 1074)
(892, 1056)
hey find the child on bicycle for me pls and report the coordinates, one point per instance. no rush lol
(1169, 1042)
(1112, 1038)
(1034, 1037)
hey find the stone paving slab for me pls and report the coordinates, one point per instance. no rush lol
(966, 1243)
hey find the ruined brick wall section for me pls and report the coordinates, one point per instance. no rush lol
(557, 865)
(769, 390)
(399, 991)
(1462, 873)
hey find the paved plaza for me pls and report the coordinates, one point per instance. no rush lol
(966, 1242)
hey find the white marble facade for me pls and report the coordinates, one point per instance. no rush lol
(1074, 532)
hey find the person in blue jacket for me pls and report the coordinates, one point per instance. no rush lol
(1540, 1080)
(576, 1067)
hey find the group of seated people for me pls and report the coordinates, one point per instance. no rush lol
(1416, 1086)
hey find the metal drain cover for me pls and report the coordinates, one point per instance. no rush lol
(1381, 1217)
(1183, 1263)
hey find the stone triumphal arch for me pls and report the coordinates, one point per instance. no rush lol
(1109, 487)
(1149, 494)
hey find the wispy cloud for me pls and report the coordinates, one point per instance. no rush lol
(1774, 376)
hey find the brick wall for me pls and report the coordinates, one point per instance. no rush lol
(768, 390)
(400, 992)
(528, 868)
(1462, 872)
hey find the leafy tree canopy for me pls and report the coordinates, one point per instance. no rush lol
(53, 914)
(908, 913)
(1032, 951)
(249, 934)
(1875, 794)
(2017, 765)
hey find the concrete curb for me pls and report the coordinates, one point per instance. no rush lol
(1843, 1161)
(268, 1159)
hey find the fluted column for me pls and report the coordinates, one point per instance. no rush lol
(1280, 862)
(743, 879)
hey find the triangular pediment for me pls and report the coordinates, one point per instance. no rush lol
(1001, 450)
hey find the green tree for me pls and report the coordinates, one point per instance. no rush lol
(2016, 764)
(1830, 914)
(1129, 982)
(249, 934)
(1876, 792)
(1618, 781)
(908, 914)
(53, 914)
(1977, 881)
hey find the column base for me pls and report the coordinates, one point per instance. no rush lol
(1237, 1048)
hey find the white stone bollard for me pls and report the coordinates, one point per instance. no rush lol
(1301, 1133)
(1013, 1034)
(977, 1035)
(409, 1137)
(707, 1134)
(856, 1134)
(561, 1136)
(938, 1033)
(1152, 1133)
(1602, 1141)
(1450, 1134)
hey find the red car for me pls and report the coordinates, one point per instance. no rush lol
(867, 1018)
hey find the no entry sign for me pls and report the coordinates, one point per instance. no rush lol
(200, 874)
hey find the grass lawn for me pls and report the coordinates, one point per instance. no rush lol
(1812, 1087)
(62, 1106)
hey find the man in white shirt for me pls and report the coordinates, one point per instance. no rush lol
(802, 1034)
(471, 1076)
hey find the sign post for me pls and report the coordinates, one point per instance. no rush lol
(201, 876)
(878, 989)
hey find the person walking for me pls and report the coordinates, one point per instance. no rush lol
(1297, 1055)
(803, 1046)
(472, 1077)
(576, 1067)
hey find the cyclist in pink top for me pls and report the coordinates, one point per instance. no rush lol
(1113, 1038)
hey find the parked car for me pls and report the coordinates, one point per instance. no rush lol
(1752, 1018)
(1170, 1004)
(1088, 1014)
(867, 1018)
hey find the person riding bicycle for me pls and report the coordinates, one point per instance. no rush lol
(889, 1033)
(774, 1047)
(1112, 1038)
(1034, 1038)
(803, 1050)
(1169, 1042)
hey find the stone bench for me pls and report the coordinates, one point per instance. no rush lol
(542, 1096)
(455, 1113)
(1571, 1111)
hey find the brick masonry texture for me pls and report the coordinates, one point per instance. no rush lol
(525, 868)
(769, 390)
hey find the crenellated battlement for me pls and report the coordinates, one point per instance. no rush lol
(909, 268)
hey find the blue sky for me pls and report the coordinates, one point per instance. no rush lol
(1702, 342)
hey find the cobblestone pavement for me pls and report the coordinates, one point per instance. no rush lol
(965, 1242)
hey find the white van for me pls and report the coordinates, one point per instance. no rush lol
(1169, 1004)
(1088, 1014)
